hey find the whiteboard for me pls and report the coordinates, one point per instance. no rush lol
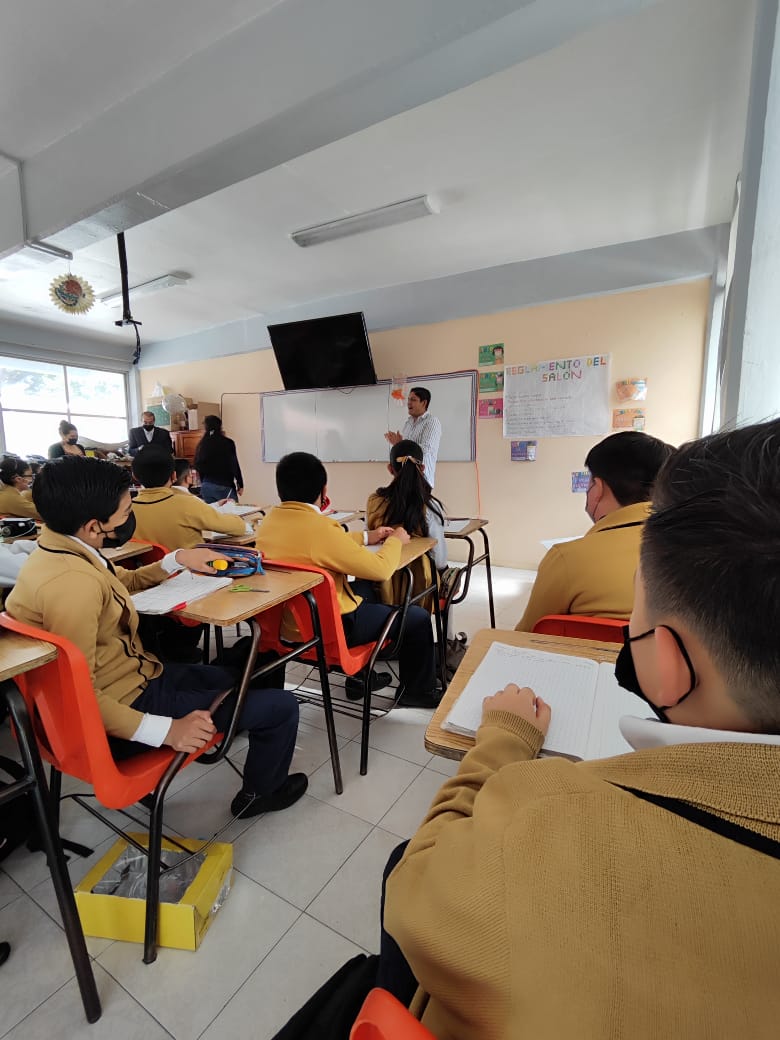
(349, 425)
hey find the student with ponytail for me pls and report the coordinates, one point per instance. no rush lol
(408, 501)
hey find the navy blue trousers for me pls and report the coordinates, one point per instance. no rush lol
(416, 653)
(269, 716)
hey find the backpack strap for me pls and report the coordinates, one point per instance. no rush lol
(711, 822)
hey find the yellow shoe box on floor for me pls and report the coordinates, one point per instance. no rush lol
(181, 925)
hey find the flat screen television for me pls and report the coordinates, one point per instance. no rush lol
(323, 352)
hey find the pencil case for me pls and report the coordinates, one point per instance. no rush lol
(243, 560)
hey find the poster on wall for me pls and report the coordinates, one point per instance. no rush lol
(628, 418)
(491, 382)
(491, 408)
(565, 397)
(580, 481)
(491, 354)
(631, 389)
(523, 451)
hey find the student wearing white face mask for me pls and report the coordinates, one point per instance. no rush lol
(594, 575)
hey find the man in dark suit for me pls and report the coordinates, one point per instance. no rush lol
(140, 436)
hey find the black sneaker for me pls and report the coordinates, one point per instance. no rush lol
(355, 686)
(417, 698)
(247, 804)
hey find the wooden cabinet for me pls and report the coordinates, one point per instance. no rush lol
(185, 442)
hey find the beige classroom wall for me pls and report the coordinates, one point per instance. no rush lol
(657, 333)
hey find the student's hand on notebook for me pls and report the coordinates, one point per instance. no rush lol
(191, 733)
(401, 535)
(522, 701)
(379, 535)
(199, 560)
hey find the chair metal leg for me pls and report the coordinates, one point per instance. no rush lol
(219, 643)
(366, 723)
(489, 573)
(54, 855)
(153, 863)
(327, 704)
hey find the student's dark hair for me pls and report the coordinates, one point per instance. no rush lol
(711, 557)
(423, 394)
(300, 477)
(181, 468)
(212, 446)
(410, 494)
(12, 467)
(66, 427)
(70, 491)
(212, 424)
(153, 466)
(628, 463)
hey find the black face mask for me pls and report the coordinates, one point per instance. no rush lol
(148, 425)
(625, 670)
(120, 535)
(73, 440)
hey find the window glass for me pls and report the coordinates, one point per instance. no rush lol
(32, 385)
(31, 433)
(109, 431)
(91, 392)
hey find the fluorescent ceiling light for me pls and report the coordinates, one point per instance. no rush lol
(383, 216)
(165, 281)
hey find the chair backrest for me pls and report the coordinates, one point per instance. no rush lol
(382, 1017)
(66, 718)
(578, 626)
(348, 659)
(154, 554)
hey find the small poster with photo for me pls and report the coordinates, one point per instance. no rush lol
(491, 382)
(491, 408)
(628, 418)
(523, 451)
(580, 481)
(491, 355)
(632, 389)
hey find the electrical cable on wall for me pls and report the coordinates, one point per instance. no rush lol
(127, 318)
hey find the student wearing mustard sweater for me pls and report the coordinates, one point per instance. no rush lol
(15, 482)
(67, 586)
(168, 517)
(594, 575)
(637, 896)
(298, 532)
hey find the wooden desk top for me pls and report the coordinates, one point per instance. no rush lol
(20, 653)
(127, 551)
(414, 549)
(454, 745)
(474, 524)
(224, 607)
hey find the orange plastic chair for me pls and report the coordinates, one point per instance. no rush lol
(578, 626)
(338, 656)
(70, 734)
(382, 1017)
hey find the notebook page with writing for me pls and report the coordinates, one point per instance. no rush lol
(183, 588)
(568, 685)
(610, 704)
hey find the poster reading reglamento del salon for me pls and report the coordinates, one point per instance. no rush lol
(565, 397)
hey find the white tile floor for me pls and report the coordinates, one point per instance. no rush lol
(305, 896)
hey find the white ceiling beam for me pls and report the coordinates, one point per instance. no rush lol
(298, 77)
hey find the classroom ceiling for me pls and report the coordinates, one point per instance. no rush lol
(609, 131)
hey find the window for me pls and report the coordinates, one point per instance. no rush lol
(36, 395)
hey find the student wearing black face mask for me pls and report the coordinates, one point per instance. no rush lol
(637, 896)
(148, 433)
(68, 443)
(67, 586)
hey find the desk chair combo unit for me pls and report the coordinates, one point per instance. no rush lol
(66, 730)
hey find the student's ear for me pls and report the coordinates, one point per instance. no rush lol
(674, 678)
(89, 531)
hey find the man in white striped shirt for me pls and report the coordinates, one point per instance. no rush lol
(422, 428)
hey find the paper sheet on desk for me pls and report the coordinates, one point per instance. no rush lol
(180, 590)
(232, 508)
(455, 526)
(581, 693)
(548, 543)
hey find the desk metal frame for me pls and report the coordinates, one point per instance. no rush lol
(460, 588)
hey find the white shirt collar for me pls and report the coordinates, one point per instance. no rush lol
(91, 548)
(643, 734)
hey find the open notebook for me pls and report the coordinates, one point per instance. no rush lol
(177, 592)
(586, 701)
(232, 508)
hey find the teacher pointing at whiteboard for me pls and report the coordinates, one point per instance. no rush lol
(422, 428)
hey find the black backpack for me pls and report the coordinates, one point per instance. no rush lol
(18, 822)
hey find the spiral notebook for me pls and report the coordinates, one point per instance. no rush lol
(586, 701)
(176, 593)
